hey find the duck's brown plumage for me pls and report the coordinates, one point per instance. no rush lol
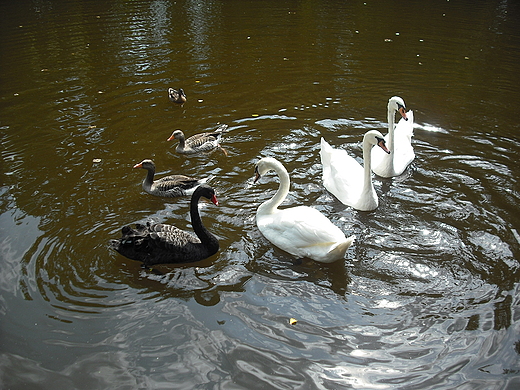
(167, 186)
(177, 96)
(199, 143)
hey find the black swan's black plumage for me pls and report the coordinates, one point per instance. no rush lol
(160, 243)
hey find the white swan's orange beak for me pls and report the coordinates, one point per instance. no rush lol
(170, 137)
(140, 165)
(382, 145)
(403, 113)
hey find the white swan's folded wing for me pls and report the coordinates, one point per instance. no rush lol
(342, 174)
(404, 128)
(403, 148)
(304, 232)
(395, 163)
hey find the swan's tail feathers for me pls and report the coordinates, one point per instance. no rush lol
(325, 152)
(341, 247)
(133, 242)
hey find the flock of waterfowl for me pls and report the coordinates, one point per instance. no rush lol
(301, 231)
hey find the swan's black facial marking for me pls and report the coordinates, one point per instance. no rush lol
(257, 175)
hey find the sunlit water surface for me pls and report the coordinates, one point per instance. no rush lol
(427, 297)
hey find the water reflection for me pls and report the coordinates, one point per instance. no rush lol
(203, 17)
(427, 297)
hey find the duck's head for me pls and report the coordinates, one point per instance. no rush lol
(145, 164)
(374, 137)
(177, 134)
(395, 103)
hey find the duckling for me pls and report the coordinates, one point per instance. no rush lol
(177, 96)
(202, 143)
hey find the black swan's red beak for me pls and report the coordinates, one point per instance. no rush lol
(214, 200)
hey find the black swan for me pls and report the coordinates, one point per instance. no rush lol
(177, 96)
(168, 186)
(159, 243)
(199, 143)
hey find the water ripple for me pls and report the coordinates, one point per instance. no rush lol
(427, 296)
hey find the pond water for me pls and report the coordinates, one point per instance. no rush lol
(428, 295)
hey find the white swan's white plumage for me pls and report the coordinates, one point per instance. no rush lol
(346, 179)
(398, 140)
(302, 231)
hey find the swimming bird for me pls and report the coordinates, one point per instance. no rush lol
(160, 243)
(177, 96)
(398, 140)
(202, 143)
(346, 179)
(167, 186)
(302, 231)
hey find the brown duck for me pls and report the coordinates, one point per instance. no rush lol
(167, 186)
(202, 143)
(177, 96)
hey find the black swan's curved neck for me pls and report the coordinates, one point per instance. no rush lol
(208, 240)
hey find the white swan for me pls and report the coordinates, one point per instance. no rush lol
(398, 140)
(302, 231)
(344, 177)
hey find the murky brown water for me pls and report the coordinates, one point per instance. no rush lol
(426, 298)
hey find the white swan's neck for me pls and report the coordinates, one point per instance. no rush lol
(367, 181)
(270, 206)
(391, 125)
